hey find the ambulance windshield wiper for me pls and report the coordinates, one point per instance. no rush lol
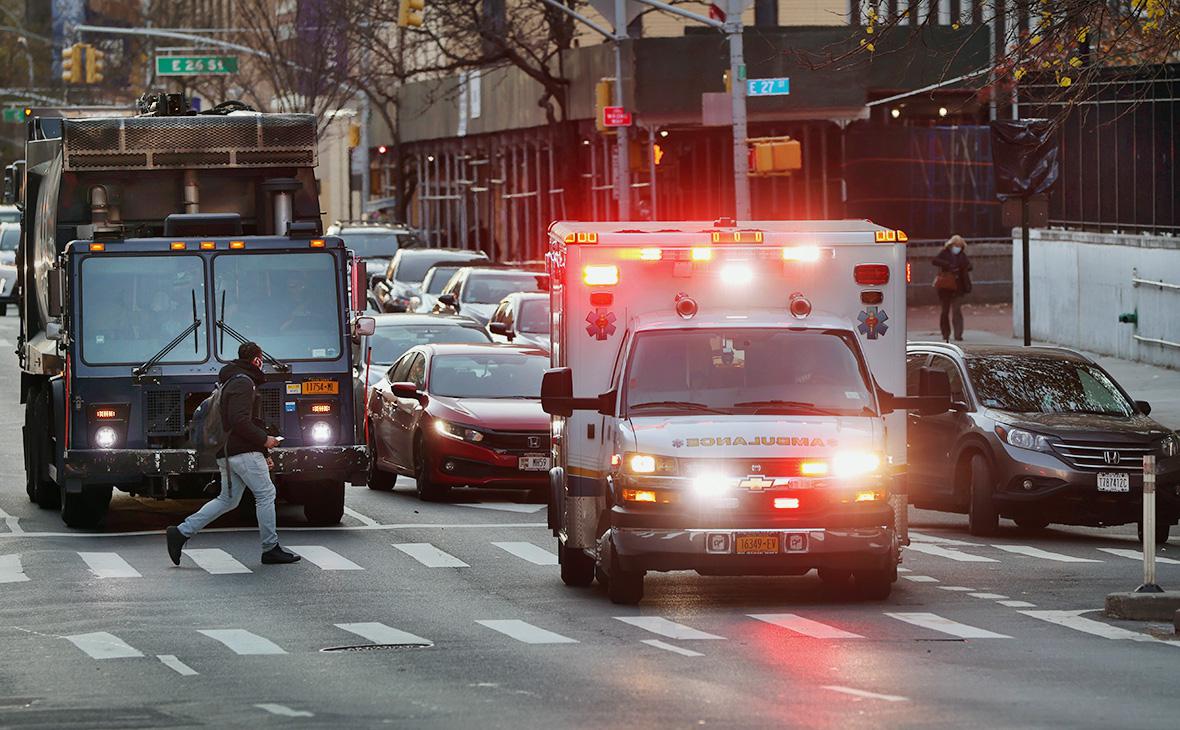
(163, 353)
(787, 406)
(680, 404)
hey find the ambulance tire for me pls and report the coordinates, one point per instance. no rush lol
(577, 568)
(323, 503)
(982, 517)
(85, 510)
(623, 587)
(874, 585)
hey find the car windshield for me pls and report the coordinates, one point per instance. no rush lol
(748, 371)
(377, 243)
(9, 238)
(490, 288)
(287, 303)
(437, 279)
(133, 306)
(534, 316)
(1024, 384)
(392, 341)
(412, 268)
(491, 375)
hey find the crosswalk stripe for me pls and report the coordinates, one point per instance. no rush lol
(804, 626)
(216, 561)
(956, 589)
(430, 556)
(666, 628)
(102, 645)
(934, 622)
(1073, 620)
(176, 665)
(524, 509)
(671, 647)
(379, 633)
(323, 557)
(989, 596)
(920, 578)
(243, 642)
(1017, 604)
(1138, 555)
(11, 570)
(109, 565)
(922, 537)
(864, 694)
(1033, 552)
(528, 551)
(525, 632)
(283, 710)
(949, 554)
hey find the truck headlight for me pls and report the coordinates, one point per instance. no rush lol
(321, 432)
(106, 437)
(649, 464)
(1022, 439)
(849, 464)
(457, 431)
(1170, 446)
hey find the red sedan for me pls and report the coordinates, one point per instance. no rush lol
(459, 415)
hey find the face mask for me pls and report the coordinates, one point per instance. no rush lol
(956, 249)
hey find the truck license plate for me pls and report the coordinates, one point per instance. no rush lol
(756, 544)
(533, 463)
(320, 387)
(1114, 482)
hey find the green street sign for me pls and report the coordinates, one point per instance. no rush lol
(14, 115)
(196, 65)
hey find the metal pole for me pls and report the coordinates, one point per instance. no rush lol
(1148, 527)
(623, 164)
(737, 85)
(1024, 274)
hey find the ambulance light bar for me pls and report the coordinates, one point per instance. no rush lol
(702, 254)
(871, 274)
(801, 253)
(890, 236)
(601, 275)
(737, 237)
(581, 237)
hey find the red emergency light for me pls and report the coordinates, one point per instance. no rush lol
(871, 274)
(601, 275)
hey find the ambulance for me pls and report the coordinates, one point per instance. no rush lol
(728, 399)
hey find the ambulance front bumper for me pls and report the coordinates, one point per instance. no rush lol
(750, 551)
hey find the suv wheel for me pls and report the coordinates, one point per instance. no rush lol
(982, 517)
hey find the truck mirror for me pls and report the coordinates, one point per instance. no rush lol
(55, 289)
(927, 405)
(934, 382)
(360, 290)
(557, 392)
(606, 402)
(365, 327)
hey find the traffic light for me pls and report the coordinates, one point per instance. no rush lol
(411, 13)
(775, 156)
(604, 95)
(71, 63)
(95, 64)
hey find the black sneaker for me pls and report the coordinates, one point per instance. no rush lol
(277, 556)
(176, 542)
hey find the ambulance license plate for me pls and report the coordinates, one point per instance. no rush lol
(533, 463)
(756, 544)
(321, 387)
(1114, 482)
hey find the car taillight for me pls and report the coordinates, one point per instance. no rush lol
(871, 274)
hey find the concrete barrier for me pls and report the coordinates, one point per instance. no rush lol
(991, 277)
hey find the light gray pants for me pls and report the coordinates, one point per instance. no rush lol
(249, 471)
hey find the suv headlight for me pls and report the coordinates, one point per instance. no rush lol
(456, 431)
(1170, 446)
(1022, 439)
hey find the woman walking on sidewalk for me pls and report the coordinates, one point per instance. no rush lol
(953, 283)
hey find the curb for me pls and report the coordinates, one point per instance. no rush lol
(1144, 606)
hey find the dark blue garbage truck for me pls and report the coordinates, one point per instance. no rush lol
(151, 247)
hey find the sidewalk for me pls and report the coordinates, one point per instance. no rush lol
(992, 324)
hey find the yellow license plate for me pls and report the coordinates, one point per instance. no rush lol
(321, 387)
(756, 545)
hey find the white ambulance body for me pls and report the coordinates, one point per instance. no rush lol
(732, 396)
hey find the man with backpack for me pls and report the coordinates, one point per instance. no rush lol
(241, 447)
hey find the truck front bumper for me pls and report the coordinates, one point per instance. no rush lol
(122, 464)
(716, 551)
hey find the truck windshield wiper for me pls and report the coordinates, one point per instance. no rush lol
(226, 329)
(685, 405)
(163, 353)
(784, 405)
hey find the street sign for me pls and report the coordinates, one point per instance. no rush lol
(768, 87)
(615, 116)
(196, 65)
(14, 115)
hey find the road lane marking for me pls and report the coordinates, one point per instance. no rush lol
(1074, 620)
(101, 645)
(363, 519)
(13, 523)
(243, 642)
(865, 694)
(922, 537)
(666, 628)
(671, 647)
(956, 589)
(295, 528)
(216, 561)
(379, 633)
(949, 554)
(283, 710)
(804, 626)
(1017, 604)
(429, 555)
(989, 596)
(934, 622)
(525, 632)
(1033, 552)
(920, 578)
(524, 509)
(176, 665)
(1138, 555)
(903, 570)
(11, 571)
(323, 557)
(109, 565)
(528, 551)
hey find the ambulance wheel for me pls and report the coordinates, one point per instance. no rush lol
(982, 517)
(85, 510)
(875, 585)
(381, 481)
(624, 587)
(577, 568)
(323, 503)
(834, 576)
(38, 451)
(3, 310)
(428, 490)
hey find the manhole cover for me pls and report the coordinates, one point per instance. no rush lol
(376, 647)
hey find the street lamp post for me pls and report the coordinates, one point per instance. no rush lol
(622, 151)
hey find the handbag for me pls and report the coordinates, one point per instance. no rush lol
(946, 281)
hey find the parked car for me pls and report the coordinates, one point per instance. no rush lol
(9, 214)
(1039, 435)
(399, 288)
(476, 291)
(522, 318)
(9, 241)
(461, 415)
(396, 333)
(375, 243)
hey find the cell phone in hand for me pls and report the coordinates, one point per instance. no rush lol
(280, 439)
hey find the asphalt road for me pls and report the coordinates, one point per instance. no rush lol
(100, 630)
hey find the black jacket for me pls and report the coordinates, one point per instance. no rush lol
(958, 264)
(241, 408)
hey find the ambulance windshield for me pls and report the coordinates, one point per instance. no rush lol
(747, 371)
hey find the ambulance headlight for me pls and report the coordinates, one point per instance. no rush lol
(106, 438)
(321, 432)
(851, 464)
(648, 464)
(711, 485)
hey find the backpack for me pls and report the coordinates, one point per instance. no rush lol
(207, 431)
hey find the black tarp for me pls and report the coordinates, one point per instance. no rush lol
(1024, 152)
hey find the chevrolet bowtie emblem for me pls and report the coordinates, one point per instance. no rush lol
(756, 483)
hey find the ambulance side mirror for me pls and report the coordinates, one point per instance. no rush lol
(557, 394)
(606, 402)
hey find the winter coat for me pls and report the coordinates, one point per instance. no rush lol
(958, 264)
(242, 408)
